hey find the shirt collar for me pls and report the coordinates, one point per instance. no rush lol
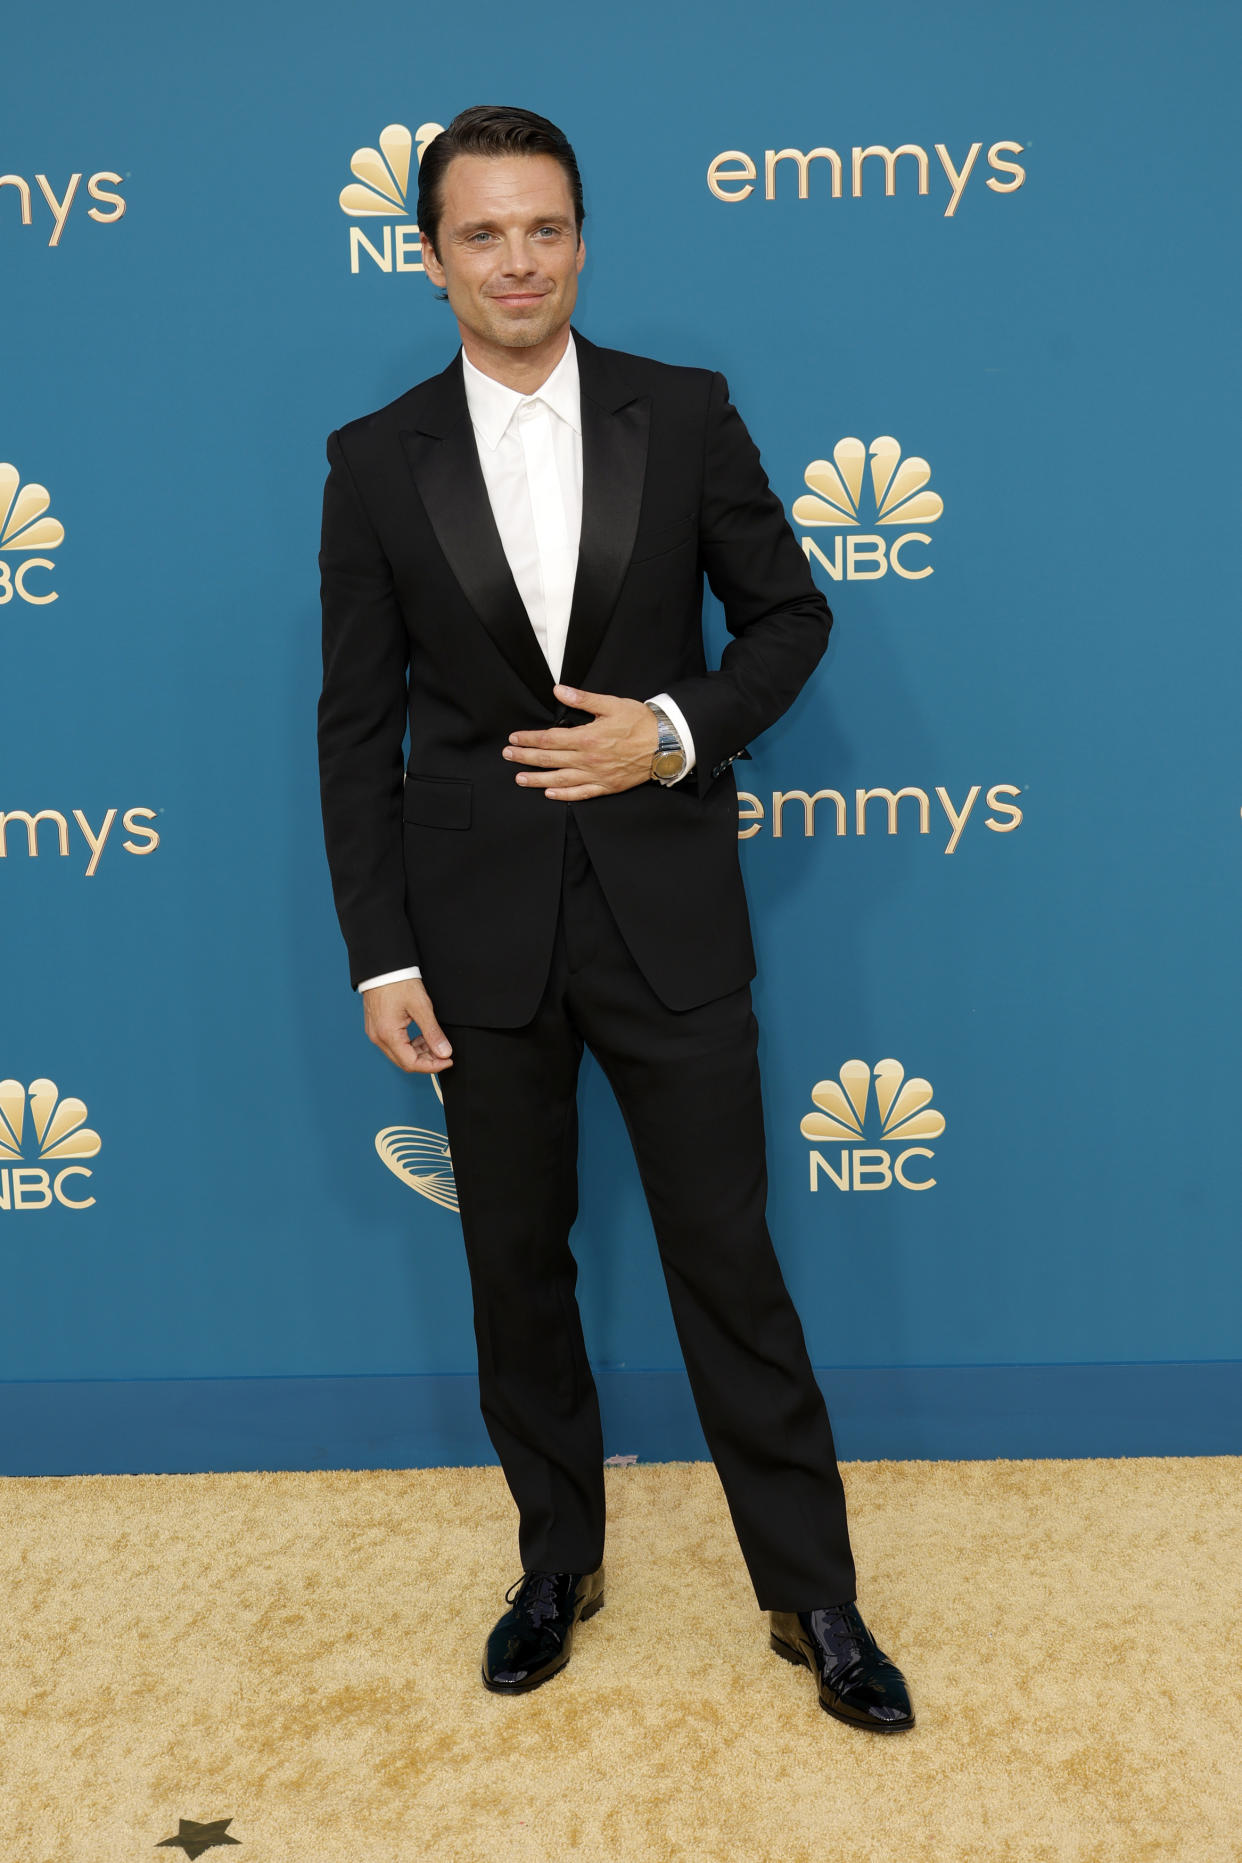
(492, 404)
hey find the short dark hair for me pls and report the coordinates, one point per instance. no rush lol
(490, 129)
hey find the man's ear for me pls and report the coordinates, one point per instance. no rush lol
(431, 265)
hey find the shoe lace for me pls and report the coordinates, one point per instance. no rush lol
(535, 1595)
(844, 1631)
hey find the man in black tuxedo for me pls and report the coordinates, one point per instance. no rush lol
(512, 564)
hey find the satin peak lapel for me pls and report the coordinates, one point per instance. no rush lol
(614, 465)
(444, 461)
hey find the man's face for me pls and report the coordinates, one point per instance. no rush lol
(509, 252)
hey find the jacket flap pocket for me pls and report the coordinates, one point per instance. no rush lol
(437, 801)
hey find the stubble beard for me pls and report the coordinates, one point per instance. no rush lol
(520, 334)
(524, 332)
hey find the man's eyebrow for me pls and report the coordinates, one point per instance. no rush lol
(539, 219)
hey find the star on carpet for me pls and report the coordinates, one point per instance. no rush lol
(194, 1838)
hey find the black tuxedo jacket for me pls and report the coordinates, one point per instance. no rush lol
(441, 859)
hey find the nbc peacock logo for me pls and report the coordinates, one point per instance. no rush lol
(43, 1140)
(903, 1111)
(26, 527)
(379, 191)
(421, 1158)
(899, 496)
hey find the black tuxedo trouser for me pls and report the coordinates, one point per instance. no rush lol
(688, 1086)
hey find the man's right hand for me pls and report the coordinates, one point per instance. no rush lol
(389, 1009)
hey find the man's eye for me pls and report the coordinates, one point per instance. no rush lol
(551, 231)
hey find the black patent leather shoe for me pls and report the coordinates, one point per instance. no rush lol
(858, 1683)
(534, 1639)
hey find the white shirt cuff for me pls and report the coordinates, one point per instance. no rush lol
(678, 719)
(389, 976)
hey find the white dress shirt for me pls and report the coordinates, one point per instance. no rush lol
(530, 450)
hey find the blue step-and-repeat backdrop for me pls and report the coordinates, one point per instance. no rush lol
(970, 274)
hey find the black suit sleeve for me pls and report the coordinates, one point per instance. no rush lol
(778, 618)
(362, 712)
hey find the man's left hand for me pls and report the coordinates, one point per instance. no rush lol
(576, 762)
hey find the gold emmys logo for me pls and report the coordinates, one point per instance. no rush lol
(732, 174)
(382, 179)
(55, 1132)
(794, 812)
(899, 487)
(144, 839)
(24, 526)
(60, 208)
(904, 1112)
(421, 1158)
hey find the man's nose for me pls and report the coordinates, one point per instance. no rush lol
(516, 260)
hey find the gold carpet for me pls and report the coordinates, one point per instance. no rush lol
(298, 1654)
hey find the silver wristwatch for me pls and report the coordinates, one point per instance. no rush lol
(669, 761)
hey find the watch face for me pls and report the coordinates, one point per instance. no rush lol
(668, 763)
